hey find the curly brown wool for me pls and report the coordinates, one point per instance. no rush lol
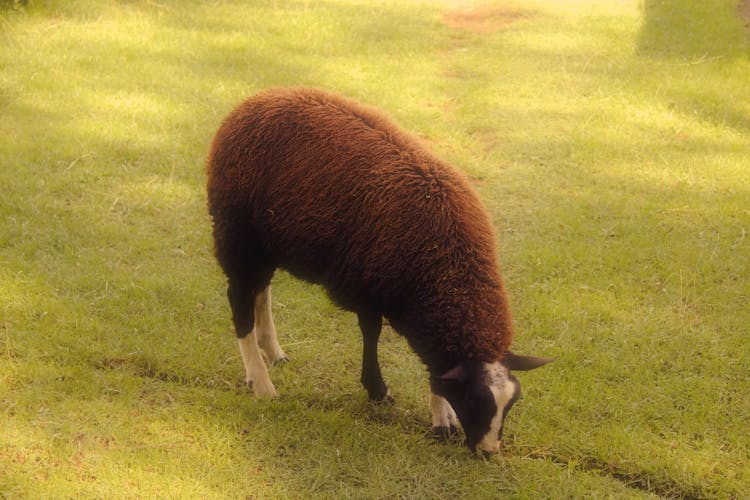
(337, 194)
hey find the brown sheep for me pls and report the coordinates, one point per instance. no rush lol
(337, 194)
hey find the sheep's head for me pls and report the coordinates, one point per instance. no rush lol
(482, 394)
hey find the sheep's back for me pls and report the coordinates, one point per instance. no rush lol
(337, 194)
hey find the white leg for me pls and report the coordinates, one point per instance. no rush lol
(443, 415)
(266, 330)
(256, 372)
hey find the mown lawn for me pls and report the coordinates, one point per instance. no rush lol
(610, 141)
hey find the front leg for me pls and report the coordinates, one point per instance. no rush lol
(371, 323)
(444, 420)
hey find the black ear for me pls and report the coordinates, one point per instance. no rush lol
(524, 363)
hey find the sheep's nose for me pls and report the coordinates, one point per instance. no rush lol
(489, 451)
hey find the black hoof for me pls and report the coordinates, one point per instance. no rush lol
(445, 433)
(382, 398)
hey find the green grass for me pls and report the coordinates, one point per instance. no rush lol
(610, 141)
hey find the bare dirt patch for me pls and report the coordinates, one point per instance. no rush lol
(743, 9)
(482, 19)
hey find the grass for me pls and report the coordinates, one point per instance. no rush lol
(608, 139)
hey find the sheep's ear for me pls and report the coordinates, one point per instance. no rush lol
(458, 372)
(524, 363)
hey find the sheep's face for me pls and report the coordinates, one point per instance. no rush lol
(481, 395)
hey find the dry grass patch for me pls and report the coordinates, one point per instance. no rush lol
(482, 19)
(744, 11)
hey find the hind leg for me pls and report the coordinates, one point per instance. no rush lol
(265, 329)
(242, 301)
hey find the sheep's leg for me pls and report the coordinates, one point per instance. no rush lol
(444, 420)
(265, 328)
(241, 301)
(371, 324)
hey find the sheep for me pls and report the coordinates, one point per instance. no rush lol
(335, 193)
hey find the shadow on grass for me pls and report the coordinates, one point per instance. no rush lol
(691, 30)
(700, 34)
(13, 4)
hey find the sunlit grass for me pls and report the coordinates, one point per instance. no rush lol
(608, 139)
